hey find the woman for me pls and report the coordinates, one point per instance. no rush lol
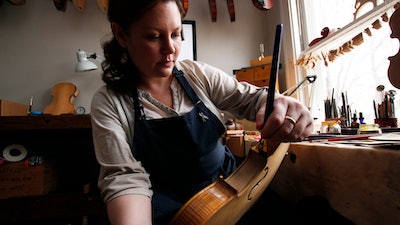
(157, 122)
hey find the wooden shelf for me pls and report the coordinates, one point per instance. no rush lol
(344, 34)
(67, 141)
(45, 122)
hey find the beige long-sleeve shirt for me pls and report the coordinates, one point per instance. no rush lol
(113, 122)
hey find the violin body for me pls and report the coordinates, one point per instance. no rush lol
(63, 96)
(185, 4)
(103, 5)
(213, 10)
(79, 5)
(394, 67)
(61, 5)
(226, 200)
(263, 5)
(231, 9)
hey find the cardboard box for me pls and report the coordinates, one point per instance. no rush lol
(19, 180)
(236, 145)
(239, 143)
(8, 108)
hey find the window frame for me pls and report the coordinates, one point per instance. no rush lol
(290, 13)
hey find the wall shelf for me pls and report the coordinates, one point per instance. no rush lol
(343, 35)
(44, 122)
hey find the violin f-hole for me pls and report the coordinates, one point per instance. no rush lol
(250, 196)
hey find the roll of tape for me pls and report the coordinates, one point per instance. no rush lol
(15, 153)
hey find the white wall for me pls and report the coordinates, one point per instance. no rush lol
(38, 44)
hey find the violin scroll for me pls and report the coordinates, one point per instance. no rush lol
(324, 33)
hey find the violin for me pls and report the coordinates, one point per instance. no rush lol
(394, 67)
(79, 5)
(61, 5)
(185, 4)
(263, 5)
(213, 10)
(63, 96)
(103, 5)
(231, 9)
(225, 201)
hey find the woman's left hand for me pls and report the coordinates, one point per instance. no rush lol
(290, 120)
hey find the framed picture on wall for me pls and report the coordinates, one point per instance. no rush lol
(188, 50)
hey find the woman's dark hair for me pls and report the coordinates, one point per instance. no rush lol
(118, 73)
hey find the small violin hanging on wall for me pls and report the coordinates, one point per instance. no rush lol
(263, 4)
(213, 10)
(231, 8)
(185, 4)
(61, 5)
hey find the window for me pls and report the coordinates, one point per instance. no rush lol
(358, 72)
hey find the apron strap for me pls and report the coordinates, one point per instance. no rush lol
(139, 112)
(182, 81)
(186, 86)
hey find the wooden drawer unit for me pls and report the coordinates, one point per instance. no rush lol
(262, 72)
(245, 75)
(257, 75)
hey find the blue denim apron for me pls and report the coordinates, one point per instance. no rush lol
(182, 154)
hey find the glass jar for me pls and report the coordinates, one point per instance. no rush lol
(330, 127)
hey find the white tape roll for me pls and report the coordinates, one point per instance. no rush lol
(15, 153)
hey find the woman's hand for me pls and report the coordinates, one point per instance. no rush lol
(290, 120)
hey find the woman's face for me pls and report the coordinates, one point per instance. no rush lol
(154, 41)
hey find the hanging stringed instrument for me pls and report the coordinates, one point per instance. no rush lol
(231, 9)
(185, 4)
(225, 201)
(61, 5)
(263, 5)
(394, 67)
(213, 10)
(79, 5)
(103, 5)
